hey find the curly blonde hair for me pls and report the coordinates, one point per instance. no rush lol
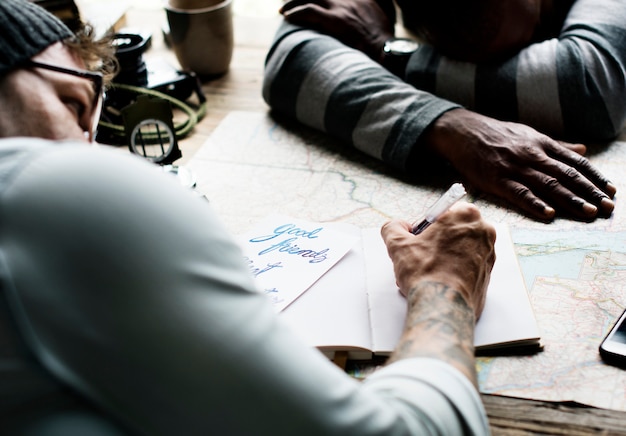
(97, 53)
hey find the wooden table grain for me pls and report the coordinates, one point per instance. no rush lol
(240, 89)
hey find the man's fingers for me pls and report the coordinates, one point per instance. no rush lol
(292, 4)
(310, 15)
(395, 228)
(540, 194)
(569, 182)
(581, 186)
(581, 149)
(522, 197)
(589, 171)
(566, 177)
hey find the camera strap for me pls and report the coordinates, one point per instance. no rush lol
(181, 129)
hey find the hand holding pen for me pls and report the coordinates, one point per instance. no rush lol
(457, 255)
(451, 196)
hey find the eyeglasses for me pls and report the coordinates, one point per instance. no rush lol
(98, 90)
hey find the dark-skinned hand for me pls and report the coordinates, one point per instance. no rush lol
(535, 173)
(361, 24)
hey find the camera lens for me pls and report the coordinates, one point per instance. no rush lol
(129, 49)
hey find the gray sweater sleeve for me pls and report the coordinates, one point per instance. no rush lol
(129, 290)
(330, 87)
(573, 86)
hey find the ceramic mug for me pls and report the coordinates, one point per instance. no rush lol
(202, 39)
(193, 4)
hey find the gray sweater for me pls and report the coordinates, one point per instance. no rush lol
(572, 87)
(124, 289)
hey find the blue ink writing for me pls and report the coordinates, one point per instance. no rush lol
(270, 266)
(275, 297)
(288, 247)
(291, 230)
(258, 271)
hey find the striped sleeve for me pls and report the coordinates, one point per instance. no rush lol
(330, 87)
(573, 86)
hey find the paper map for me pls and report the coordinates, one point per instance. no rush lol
(252, 167)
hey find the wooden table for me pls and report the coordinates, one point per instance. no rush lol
(240, 89)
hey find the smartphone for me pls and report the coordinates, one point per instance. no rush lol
(613, 347)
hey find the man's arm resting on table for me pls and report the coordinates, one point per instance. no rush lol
(571, 86)
(328, 86)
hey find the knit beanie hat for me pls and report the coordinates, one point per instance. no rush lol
(26, 29)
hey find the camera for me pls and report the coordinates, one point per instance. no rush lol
(150, 81)
(154, 73)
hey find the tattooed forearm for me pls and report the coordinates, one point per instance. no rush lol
(439, 324)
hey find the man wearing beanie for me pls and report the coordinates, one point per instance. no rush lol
(29, 33)
(126, 308)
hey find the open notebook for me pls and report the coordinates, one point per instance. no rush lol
(353, 304)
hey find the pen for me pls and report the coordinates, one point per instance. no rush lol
(452, 195)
